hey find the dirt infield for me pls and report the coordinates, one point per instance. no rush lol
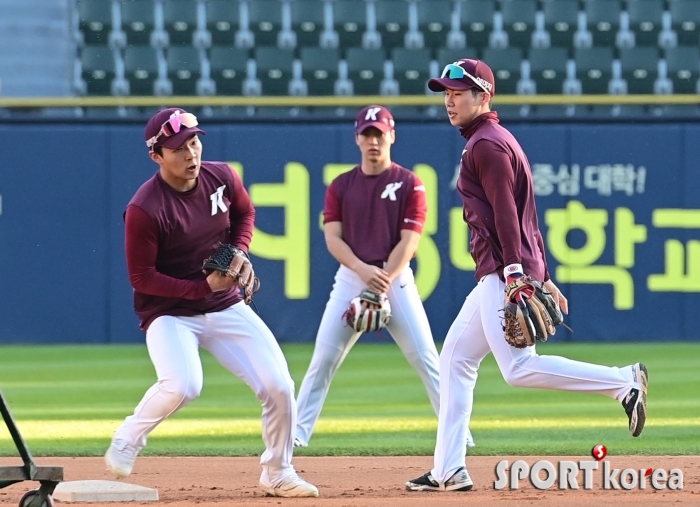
(364, 481)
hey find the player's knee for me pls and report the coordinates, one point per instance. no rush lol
(280, 393)
(181, 391)
(514, 375)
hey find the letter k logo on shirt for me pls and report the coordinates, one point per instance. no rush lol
(390, 190)
(217, 201)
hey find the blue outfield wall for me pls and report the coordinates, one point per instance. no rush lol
(619, 208)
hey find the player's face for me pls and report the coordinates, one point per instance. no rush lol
(463, 106)
(180, 167)
(375, 145)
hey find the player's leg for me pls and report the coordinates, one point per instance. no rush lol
(462, 352)
(410, 329)
(333, 342)
(174, 350)
(525, 368)
(245, 346)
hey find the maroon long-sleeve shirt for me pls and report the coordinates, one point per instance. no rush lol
(169, 234)
(495, 184)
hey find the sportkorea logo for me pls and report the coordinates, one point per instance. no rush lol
(544, 474)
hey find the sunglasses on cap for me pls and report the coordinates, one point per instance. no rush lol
(454, 71)
(172, 126)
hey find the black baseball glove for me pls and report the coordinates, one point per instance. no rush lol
(234, 262)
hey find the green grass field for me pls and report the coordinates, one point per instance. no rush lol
(69, 400)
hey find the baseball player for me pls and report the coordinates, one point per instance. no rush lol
(373, 216)
(495, 184)
(173, 222)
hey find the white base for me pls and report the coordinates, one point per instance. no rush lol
(102, 491)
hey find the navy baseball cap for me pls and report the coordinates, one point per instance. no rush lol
(465, 74)
(374, 116)
(170, 128)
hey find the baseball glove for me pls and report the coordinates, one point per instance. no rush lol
(222, 260)
(530, 312)
(369, 311)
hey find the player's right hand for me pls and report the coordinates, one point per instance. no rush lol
(375, 278)
(220, 281)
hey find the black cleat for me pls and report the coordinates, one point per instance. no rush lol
(460, 481)
(635, 403)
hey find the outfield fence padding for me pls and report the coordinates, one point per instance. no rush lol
(619, 208)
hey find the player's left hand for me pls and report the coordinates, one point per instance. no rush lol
(235, 264)
(557, 295)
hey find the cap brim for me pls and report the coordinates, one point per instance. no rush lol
(440, 84)
(384, 127)
(174, 142)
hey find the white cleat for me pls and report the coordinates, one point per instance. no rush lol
(291, 487)
(120, 457)
(299, 443)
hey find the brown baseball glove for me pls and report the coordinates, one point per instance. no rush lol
(530, 312)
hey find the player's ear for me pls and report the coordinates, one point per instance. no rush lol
(392, 136)
(155, 157)
(357, 139)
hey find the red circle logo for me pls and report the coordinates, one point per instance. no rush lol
(599, 452)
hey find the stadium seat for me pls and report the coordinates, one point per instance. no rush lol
(555, 111)
(320, 69)
(561, 20)
(626, 110)
(98, 69)
(411, 70)
(138, 21)
(594, 69)
(274, 69)
(180, 20)
(476, 19)
(679, 111)
(683, 64)
(228, 69)
(265, 18)
(603, 21)
(505, 64)
(223, 21)
(392, 22)
(140, 69)
(645, 20)
(548, 69)
(519, 21)
(307, 21)
(408, 113)
(95, 21)
(112, 113)
(350, 21)
(445, 56)
(184, 69)
(639, 68)
(685, 20)
(434, 22)
(365, 69)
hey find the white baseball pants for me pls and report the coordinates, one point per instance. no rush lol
(477, 331)
(245, 346)
(408, 327)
